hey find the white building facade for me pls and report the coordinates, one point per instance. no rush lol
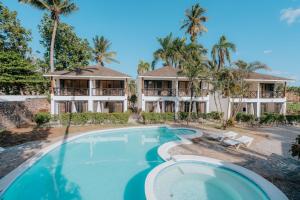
(90, 89)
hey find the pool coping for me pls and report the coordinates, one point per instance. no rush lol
(271, 190)
(7, 180)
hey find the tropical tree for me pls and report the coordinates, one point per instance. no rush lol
(56, 9)
(221, 52)
(102, 53)
(194, 22)
(70, 50)
(143, 67)
(295, 149)
(13, 36)
(194, 67)
(132, 87)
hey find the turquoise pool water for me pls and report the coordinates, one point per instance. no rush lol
(189, 180)
(109, 166)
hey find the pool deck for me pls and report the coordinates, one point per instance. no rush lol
(267, 156)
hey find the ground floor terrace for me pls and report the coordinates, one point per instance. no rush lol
(81, 106)
(175, 106)
(268, 155)
(258, 108)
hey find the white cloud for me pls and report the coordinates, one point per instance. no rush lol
(268, 51)
(290, 15)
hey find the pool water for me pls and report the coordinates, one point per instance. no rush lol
(109, 166)
(195, 180)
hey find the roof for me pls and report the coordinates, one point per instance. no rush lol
(171, 72)
(90, 71)
(258, 76)
(166, 71)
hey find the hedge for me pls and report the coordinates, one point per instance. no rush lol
(195, 116)
(157, 117)
(92, 118)
(244, 117)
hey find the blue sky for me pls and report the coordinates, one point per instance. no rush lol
(263, 30)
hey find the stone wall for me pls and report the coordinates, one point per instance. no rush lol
(20, 113)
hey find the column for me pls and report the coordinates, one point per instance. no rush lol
(125, 105)
(258, 109)
(229, 110)
(90, 100)
(284, 108)
(52, 106)
(143, 103)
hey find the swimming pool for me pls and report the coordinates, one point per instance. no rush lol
(111, 165)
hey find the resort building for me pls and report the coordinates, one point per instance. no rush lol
(88, 89)
(163, 90)
(265, 94)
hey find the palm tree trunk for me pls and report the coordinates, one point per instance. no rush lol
(190, 105)
(52, 45)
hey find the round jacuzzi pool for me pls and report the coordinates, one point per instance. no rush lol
(205, 178)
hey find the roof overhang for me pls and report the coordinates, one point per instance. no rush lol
(90, 77)
(264, 80)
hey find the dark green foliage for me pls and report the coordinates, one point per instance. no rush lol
(153, 118)
(272, 118)
(195, 116)
(290, 119)
(70, 50)
(93, 118)
(244, 117)
(13, 37)
(295, 149)
(19, 76)
(42, 118)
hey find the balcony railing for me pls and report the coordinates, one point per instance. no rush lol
(108, 92)
(71, 91)
(187, 93)
(160, 92)
(272, 94)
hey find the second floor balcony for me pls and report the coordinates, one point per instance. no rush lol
(261, 94)
(86, 92)
(187, 93)
(165, 92)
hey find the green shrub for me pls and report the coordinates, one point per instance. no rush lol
(244, 117)
(271, 118)
(94, 118)
(42, 118)
(292, 119)
(153, 118)
(215, 115)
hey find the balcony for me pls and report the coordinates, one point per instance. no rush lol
(187, 93)
(71, 91)
(108, 92)
(272, 94)
(160, 92)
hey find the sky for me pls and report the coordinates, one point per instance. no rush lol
(263, 30)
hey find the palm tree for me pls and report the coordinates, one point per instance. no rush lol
(164, 53)
(221, 51)
(56, 9)
(143, 67)
(132, 87)
(102, 51)
(194, 67)
(194, 22)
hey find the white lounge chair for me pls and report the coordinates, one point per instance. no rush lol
(244, 140)
(222, 136)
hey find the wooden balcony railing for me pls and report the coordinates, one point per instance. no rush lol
(108, 92)
(272, 94)
(71, 91)
(167, 92)
(187, 93)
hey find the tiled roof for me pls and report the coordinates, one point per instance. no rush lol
(166, 71)
(258, 76)
(89, 71)
(169, 72)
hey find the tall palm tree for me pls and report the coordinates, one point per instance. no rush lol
(143, 67)
(102, 51)
(165, 51)
(221, 51)
(56, 9)
(194, 22)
